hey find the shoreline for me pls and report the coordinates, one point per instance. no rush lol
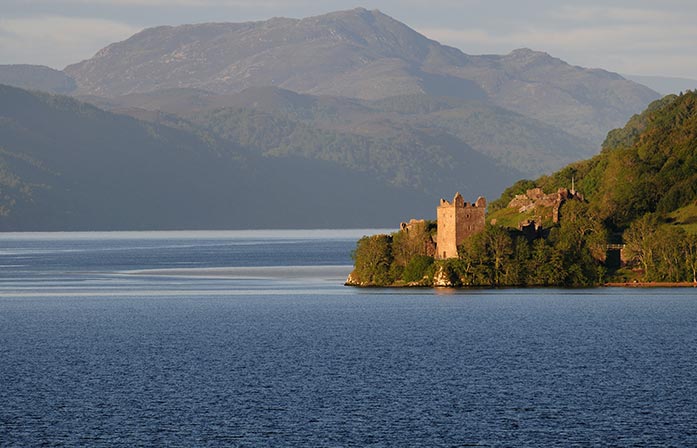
(651, 285)
(604, 285)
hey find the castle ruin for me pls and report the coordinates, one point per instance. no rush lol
(458, 220)
(536, 199)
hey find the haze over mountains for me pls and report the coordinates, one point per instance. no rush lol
(359, 54)
(66, 165)
(36, 77)
(665, 84)
(355, 93)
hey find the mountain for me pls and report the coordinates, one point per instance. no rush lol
(36, 77)
(519, 144)
(67, 165)
(364, 55)
(347, 119)
(665, 84)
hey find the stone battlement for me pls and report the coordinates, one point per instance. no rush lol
(459, 201)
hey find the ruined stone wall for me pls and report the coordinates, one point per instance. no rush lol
(416, 239)
(446, 241)
(456, 222)
(535, 198)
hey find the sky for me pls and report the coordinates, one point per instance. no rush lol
(634, 37)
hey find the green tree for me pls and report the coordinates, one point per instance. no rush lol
(373, 259)
(417, 268)
(639, 242)
(499, 247)
(518, 272)
(689, 250)
(412, 241)
(468, 258)
(546, 265)
(668, 252)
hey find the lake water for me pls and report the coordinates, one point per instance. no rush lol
(249, 339)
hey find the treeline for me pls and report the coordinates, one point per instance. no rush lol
(400, 258)
(571, 254)
(663, 253)
(395, 152)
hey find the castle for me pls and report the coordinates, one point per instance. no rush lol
(458, 220)
(536, 199)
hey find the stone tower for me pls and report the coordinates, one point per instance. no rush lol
(457, 221)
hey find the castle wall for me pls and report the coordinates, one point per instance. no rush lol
(457, 221)
(446, 244)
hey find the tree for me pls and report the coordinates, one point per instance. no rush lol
(583, 228)
(668, 254)
(517, 273)
(373, 258)
(639, 242)
(499, 247)
(417, 267)
(414, 240)
(536, 265)
(689, 250)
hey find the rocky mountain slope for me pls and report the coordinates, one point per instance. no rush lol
(359, 54)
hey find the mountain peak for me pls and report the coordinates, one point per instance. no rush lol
(307, 55)
(358, 53)
(355, 12)
(523, 59)
(528, 55)
(527, 52)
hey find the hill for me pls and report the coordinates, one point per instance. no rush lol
(647, 166)
(67, 165)
(359, 54)
(471, 129)
(641, 190)
(630, 217)
(36, 77)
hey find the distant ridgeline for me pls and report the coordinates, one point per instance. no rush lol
(635, 220)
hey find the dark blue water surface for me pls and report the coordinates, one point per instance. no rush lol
(249, 339)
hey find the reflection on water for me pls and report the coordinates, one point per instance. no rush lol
(176, 263)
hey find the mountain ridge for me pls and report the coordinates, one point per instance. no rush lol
(359, 54)
(36, 77)
(355, 93)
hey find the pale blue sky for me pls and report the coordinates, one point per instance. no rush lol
(633, 37)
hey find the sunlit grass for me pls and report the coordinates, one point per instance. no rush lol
(685, 217)
(510, 217)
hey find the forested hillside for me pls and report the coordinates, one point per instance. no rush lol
(638, 198)
(66, 165)
(648, 166)
(397, 130)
